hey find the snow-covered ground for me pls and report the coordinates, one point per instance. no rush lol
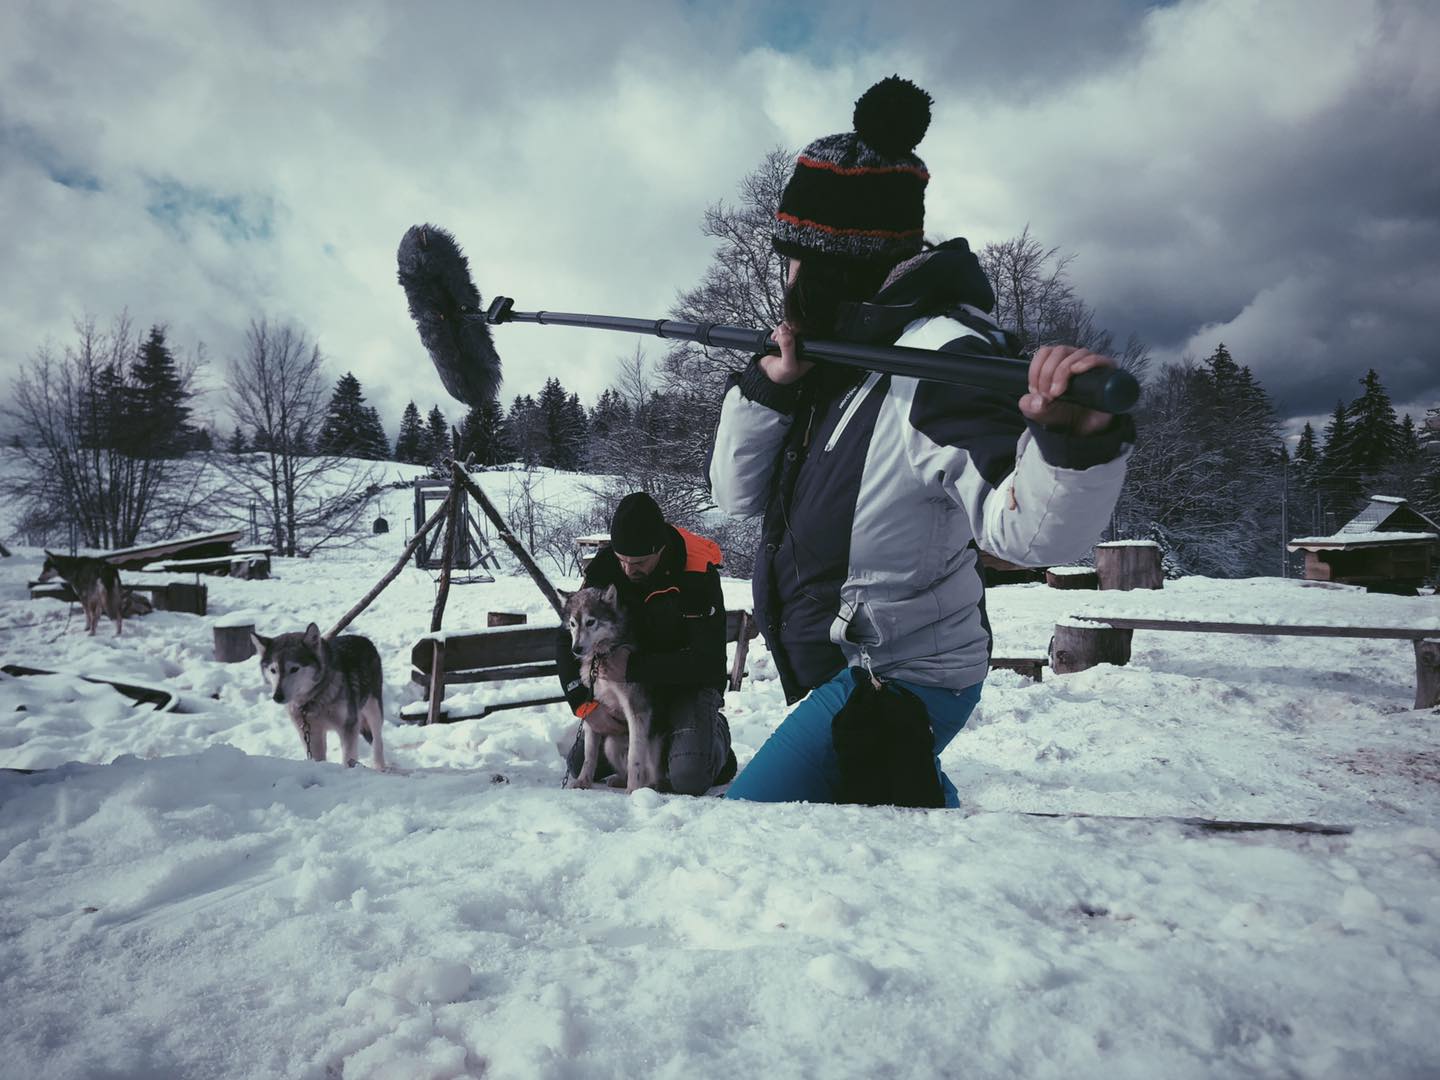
(188, 897)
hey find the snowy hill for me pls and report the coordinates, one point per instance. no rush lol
(189, 897)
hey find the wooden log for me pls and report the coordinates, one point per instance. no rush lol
(190, 599)
(505, 618)
(1427, 673)
(233, 644)
(1076, 648)
(391, 575)
(516, 548)
(742, 647)
(1129, 566)
(1087, 579)
(1032, 667)
(447, 557)
(437, 682)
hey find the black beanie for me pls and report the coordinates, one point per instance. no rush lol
(638, 527)
(861, 195)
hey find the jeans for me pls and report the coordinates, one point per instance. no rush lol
(798, 762)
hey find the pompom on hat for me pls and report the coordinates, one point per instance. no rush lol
(861, 194)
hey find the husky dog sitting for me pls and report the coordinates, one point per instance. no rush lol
(327, 685)
(95, 582)
(600, 638)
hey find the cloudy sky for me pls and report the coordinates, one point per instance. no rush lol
(1266, 174)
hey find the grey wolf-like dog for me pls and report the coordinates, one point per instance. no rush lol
(327, 686)
(95, 582)
(600, 638)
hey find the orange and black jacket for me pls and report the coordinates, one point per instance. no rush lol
(678, 615)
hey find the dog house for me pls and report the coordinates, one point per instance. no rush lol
(1387, 547)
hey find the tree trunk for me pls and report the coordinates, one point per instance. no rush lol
(1427, 673)
(233, 644)
(1076, 648)
(1129, 566)
(1088, 580)
(190, 599)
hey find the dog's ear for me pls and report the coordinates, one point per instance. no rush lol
(262, 644)
(611, 595)
(564, 595)
(312, 636)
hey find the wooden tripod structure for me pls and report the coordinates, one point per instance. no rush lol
(446, 517)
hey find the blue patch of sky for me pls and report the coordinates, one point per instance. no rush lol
(799, 26)
(177, 206)
(27, 145)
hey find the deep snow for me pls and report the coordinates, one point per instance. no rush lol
(191, 898)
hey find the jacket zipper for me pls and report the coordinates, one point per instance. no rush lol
(852, 408)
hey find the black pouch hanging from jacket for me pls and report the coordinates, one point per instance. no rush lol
(886, 747)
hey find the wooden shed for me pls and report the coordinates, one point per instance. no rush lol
(1387, 547)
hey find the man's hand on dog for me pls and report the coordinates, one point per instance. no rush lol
(615, 663)
(604, 722)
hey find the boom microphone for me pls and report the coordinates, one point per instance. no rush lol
(446, 309)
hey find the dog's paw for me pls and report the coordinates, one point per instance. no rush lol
(579, 782)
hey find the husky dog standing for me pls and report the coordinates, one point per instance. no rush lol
(94, 581)
(600, 638)
(327, 685)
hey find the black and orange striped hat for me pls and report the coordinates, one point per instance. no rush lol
(861, 195)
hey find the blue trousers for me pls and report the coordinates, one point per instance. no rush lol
(798, 762)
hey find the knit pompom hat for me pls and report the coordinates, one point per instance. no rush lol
(861, 194)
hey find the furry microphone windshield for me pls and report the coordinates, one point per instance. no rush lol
(446, 308)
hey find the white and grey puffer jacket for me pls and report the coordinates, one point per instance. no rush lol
(877, 491)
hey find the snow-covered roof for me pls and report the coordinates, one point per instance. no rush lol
(1129, 543)
(1361, 539)
(1379, 511)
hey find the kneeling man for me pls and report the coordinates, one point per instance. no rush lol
(668, 579)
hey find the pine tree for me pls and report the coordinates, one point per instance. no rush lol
(342, 431)
(157, 404)
(481, 434)
(576, 433)
(409, 443)
(437, 438)
(374, 445)
(1307, 456)
(1427, 490)
(1306, 476)
(563, 426)
(236, 443)
(524, 432)
(1339, 477)
(1375, 435)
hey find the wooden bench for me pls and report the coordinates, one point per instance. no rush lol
(246, 564)
(1076, 648)
(505, 653)
(171, 596)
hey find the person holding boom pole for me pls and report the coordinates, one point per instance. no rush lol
(879, 491)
